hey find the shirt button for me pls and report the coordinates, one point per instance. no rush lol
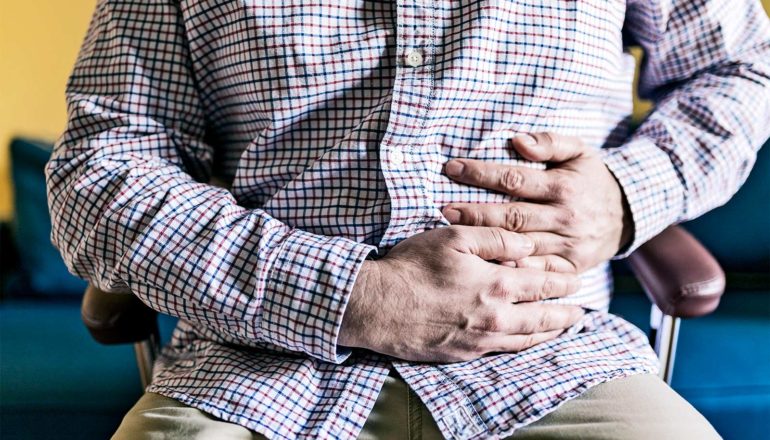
(396, 157)
(414, 58)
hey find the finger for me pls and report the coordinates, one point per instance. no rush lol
(516, 343)
(518, 216)
(548, 147)
(532, 318)
(549, 243)
(490, 243)
(548, 263)
(521, 182)
(524, 285)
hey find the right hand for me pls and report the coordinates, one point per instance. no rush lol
(436, 297)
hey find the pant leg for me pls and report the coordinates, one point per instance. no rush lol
(398, 414)
(637, 407)
(156, 417)
(640, 407)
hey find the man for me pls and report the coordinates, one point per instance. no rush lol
(324, 294)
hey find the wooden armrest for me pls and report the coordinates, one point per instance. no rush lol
(678, 274)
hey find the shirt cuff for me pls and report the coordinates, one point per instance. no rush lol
(310, 281)
(651, 186)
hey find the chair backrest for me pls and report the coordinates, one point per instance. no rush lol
(738, 233)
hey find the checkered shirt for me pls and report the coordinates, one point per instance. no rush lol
(330, 122)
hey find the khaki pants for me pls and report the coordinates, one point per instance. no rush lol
(637, 407)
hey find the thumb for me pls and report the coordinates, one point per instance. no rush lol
(548, 147)
(492, 243)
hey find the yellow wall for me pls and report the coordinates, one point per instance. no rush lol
(39, 40)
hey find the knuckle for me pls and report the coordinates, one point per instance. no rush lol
(571, 244)
(497, 290)
(511, 180)
(498, 237)
(491, 323)
(453, 233)
(551, 138)
(551, 265)
(515, 219)
(540, 245)
(549, 287)
(569, 217)
(528, 326)
(529, 340)
(545, 321)
(497, 234)
(562, 188)
(475, 217)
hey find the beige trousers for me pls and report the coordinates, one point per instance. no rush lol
(637, 407)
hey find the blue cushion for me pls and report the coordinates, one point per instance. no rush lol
(42, 269)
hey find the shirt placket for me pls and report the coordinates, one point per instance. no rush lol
(412, 91)
(403, 171)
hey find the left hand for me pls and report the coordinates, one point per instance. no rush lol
(574, 211)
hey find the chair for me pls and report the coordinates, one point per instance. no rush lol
(678, 274)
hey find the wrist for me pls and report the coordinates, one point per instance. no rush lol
(353, 331)
(626, 216)
(627, 235)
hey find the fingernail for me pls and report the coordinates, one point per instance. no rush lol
(526, 242)
(526, 140)
(454, 168)
(452, 215)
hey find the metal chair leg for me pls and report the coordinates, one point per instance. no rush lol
(146, 353)
(663, 337)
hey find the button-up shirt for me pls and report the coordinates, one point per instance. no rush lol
(329, 122)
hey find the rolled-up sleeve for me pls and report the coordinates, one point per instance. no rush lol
(131, 210)
(707, 67)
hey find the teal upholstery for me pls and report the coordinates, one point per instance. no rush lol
(42, 271)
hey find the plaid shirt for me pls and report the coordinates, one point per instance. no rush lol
(330, 123)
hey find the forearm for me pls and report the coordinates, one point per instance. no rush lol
(129, 210)
(188, 250)
(679, 165)
(712, 106)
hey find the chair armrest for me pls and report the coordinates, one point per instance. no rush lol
(117, 318)
(678, 274)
